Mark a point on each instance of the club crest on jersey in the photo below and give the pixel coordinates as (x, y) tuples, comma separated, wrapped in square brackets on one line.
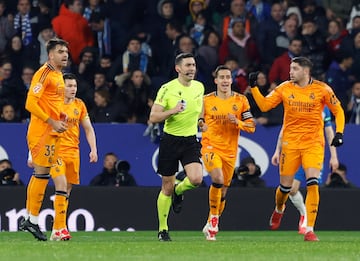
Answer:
[(235, 107), (312, 96), (76, 112), (37, 88)]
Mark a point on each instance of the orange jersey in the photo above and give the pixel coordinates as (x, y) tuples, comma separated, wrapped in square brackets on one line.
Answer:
[(222, 135), (76, 112), (48, 87), (303, 122)]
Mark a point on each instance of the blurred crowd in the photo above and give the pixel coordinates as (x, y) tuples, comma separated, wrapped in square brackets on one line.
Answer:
[(123, 50)]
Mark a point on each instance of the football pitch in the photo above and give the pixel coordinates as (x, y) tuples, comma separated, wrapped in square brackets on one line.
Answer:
[(186, 245)]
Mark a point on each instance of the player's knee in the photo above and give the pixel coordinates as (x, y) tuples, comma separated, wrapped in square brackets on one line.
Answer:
[(196, 181)]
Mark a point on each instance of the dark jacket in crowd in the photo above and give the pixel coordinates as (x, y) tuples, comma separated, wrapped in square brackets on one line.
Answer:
[(113, 179)]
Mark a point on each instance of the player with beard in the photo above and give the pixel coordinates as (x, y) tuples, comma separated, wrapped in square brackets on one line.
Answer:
[(303, 134)]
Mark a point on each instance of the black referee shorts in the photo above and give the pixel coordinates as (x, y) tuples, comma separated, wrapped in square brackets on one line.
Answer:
[(173, 149)]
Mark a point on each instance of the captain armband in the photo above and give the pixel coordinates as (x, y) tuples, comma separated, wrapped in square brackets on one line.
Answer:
[(201, 119), (246, 115)]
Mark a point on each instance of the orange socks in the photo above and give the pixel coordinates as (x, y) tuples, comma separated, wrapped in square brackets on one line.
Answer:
[(281, 196), (60, 208), (312, 204), (222, 206), (35, 193), (215, 198)]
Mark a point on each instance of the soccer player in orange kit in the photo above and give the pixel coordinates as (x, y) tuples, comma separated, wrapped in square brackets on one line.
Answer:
[(45, 100), (225, 113), (303, 141), (68, 164)]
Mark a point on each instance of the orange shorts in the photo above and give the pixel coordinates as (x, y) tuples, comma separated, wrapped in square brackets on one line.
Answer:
[(43, 149), (69, 167), (292, 159), (213, 160)]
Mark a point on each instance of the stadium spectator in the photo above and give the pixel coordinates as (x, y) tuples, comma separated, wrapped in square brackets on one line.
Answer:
[(280, 69), (266, 35), (248, 175), (241, 45), (314, 47), (355, 11), (88, 63), (336, 34), (16, 53), (26, 22), (122, 15), (259, 9), (338, 76), (209, 49), (197, 29), (8, 114), (105, 110), (132, 59), (94, 13), (312, 11), (8, 176), (239, 76), (134, 90), (288, 32), (165, 57), (337, 178), (115, 173), (355, 69), (353, 107), (6, 27), (46, 32), (8, 82), (200, 7), (271, 117), (158, 23), (237, 12), (16, 91), (100, 81), (80, 36), (337, 9)]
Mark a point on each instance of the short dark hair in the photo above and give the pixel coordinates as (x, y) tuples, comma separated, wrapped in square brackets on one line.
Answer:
[(6, 160), (69, 76), (302, 61), (219, 68), (52, 43), (182, 56)]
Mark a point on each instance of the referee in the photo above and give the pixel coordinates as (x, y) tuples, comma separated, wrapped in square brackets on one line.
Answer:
[(179, 103)]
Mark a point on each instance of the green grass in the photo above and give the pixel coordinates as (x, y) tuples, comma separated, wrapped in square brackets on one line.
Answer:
[(186, 245)]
